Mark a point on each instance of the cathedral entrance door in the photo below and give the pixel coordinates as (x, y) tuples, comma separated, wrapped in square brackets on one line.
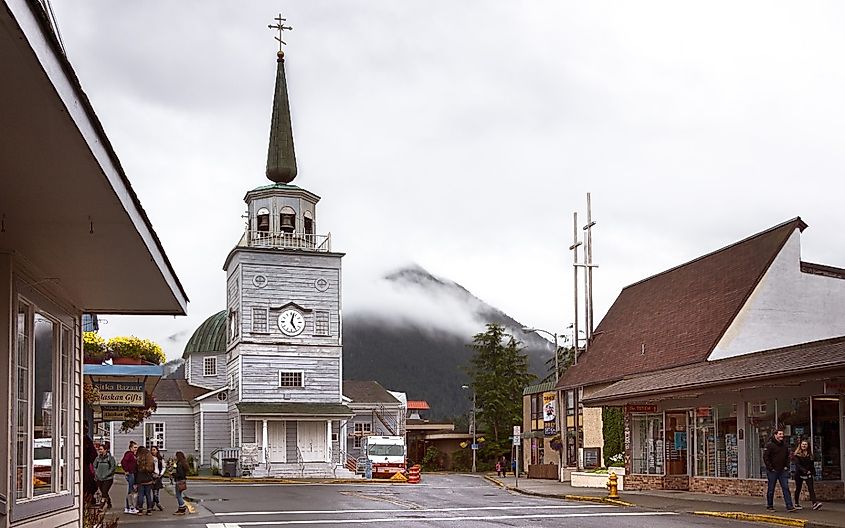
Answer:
[(311, 439), (276, 441)]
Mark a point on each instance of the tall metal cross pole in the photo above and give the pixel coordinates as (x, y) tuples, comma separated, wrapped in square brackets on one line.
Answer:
[(588, 279), (280, 27), (574, 249)]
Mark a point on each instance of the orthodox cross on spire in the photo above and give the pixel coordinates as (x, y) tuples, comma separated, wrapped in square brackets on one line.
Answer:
[(280, 27)]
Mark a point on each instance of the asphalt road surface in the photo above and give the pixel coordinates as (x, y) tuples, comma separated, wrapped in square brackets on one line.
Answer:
[(447, 501)]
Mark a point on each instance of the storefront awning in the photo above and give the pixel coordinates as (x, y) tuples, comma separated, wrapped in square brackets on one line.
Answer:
[(297, 410), (817, 360)]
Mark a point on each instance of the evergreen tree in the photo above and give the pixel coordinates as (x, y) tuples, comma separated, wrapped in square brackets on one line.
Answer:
[(499, 372)]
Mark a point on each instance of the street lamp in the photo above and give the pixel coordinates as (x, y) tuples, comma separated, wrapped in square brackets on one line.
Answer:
[(472, 425), (557, 397)]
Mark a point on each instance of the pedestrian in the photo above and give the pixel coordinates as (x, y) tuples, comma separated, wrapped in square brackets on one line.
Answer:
[(144, 480), (180, 475), (89, 454), (513, 466), (498, 468), (504, 462), (104, 467), (804, 472), (776, 458), (158, 473), (129, 464)]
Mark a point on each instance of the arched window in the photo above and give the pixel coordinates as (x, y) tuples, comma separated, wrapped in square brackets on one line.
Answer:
[(287, 220), (308, 223), (262, 220)]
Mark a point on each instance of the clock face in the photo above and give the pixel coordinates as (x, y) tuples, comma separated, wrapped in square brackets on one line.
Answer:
[(291, 322)]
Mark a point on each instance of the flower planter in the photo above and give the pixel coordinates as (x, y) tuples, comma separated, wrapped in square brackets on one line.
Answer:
[(92, 361), (127, 361), (581, 479)]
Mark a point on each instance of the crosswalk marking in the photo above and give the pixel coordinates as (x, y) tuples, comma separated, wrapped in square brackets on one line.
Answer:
[(408, 510), (440, 519)]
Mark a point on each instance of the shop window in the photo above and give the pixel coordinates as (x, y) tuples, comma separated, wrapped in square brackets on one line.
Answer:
[(794, 419), (705, 442), (826, 440), (571, 430), (716, 452), (647, 445), (41, 449), (536, 412), (759, 427)]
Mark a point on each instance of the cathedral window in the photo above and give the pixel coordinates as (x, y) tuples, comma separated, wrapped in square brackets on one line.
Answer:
[(259, 320), (262, 220), (287, 220), (321, 322), (233, 324), (209, 366), (290, 379)]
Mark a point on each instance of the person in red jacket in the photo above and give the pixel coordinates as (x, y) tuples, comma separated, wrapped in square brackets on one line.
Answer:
[(130, 465)]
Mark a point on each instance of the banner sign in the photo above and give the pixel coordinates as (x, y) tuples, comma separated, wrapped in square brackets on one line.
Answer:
[(120, 393), (549, 414), (640, 408)]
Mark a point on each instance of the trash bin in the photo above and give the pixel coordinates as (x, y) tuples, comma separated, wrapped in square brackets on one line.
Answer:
[(230, 467)]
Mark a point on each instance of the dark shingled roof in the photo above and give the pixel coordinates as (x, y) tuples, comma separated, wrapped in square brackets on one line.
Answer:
[(174, 390), (210, 336), (367, 392), (677, 317), (825, 355)]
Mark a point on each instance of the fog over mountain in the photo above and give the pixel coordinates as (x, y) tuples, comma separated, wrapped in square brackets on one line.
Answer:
[(414, 339)]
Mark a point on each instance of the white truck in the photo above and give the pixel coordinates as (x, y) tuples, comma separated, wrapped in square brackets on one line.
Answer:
[(386, 454)]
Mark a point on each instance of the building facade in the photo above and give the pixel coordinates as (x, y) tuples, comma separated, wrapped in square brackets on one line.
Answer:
[(74, 239), (709, 358)]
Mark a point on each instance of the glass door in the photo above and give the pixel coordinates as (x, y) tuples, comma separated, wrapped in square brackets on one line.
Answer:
[(676, 443)]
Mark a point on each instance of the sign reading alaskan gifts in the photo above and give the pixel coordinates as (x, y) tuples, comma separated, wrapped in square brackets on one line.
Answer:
[(120, 393), (549, 414)]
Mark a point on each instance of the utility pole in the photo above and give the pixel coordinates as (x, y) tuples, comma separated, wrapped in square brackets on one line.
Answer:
[(588, 261), (574, 249), (474, 445)]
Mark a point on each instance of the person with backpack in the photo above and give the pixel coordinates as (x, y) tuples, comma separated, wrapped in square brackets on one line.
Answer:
[(804, 472), (104, 467), (129, 464)]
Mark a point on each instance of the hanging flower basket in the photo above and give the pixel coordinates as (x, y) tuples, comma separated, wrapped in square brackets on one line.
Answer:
[(94, 350), (555, 443)]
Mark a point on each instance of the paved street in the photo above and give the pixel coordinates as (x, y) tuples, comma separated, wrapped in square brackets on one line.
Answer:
[(440, 501)]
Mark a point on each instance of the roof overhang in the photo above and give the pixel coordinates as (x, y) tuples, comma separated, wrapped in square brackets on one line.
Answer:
[(332, 411), (70, 213)]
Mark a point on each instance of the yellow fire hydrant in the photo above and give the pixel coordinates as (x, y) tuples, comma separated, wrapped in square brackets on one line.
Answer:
[(612, 486)]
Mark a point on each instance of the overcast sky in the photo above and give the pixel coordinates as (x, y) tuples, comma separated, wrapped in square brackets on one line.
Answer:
[(462, 135)]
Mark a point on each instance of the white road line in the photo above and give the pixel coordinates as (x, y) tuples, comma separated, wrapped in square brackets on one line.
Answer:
[(411, 510), (439, 519)]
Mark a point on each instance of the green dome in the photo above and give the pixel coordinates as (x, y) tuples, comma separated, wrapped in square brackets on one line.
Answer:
[(210, 336)]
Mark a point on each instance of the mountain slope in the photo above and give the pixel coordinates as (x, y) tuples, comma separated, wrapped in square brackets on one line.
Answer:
[(422, 353)]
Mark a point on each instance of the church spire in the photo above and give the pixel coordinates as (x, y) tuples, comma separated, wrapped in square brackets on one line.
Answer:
[(281, 159)]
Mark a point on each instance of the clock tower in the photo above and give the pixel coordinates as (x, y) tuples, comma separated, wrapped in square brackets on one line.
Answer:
[(284, 325)]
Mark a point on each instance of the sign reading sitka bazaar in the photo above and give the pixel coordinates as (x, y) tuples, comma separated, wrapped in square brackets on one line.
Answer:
[(120, 393)]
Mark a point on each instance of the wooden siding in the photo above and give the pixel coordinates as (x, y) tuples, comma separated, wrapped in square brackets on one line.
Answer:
[(194, 370), (216, 429), (321, 378), (178, 432)]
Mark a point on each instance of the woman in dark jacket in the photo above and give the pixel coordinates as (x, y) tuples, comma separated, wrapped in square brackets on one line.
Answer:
[(158, 472), (144, 479), (180, 475), (804, 472)]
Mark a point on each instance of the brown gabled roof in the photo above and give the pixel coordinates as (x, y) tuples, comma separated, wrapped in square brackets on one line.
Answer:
[(677, 317), (825, 355), (367, 392), (177, 390)]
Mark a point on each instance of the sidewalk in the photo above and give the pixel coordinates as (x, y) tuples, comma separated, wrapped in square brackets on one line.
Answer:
[(832, 514), (166, 496)]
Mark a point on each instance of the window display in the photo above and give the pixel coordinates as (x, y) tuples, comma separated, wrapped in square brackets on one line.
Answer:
[(825, 442), (647, 445), (759, 427)]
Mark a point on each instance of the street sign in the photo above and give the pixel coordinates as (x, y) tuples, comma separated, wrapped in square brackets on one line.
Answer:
[(517, 430), (475, 446), (516, 439)]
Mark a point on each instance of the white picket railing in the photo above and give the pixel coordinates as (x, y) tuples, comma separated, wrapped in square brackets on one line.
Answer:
[(282, 240)]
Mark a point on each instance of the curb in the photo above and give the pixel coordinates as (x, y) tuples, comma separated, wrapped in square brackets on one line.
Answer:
[(580, 498), (741, 516)]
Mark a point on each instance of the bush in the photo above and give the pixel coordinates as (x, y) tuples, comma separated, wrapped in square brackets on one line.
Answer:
[(613, 430), (432, 460)]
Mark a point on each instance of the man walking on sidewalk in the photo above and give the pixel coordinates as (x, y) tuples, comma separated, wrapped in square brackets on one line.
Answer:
[(776, 458)]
